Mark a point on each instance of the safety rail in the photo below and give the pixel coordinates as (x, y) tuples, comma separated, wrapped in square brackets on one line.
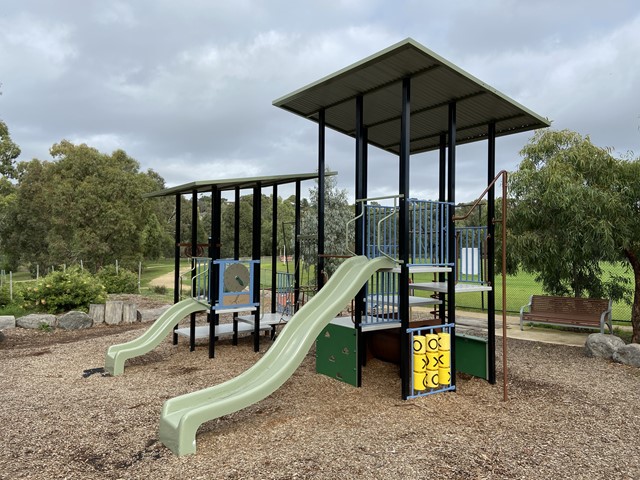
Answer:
[(381, 297), (471, 255), (374, 236), (285, 302), (428, 223), (431, 360), (198, 276)]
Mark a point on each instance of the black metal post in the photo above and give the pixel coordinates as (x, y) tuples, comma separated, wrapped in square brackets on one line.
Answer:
[(236, 255), (176, 261), (257, 231), (321, 187), (194, 253), (359, 224), (215, 254), (403, 246), (451, 231), (274, 249), (491, 253), (442, 189), (296, 247)]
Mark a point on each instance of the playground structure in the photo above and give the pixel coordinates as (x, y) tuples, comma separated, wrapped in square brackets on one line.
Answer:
[(405, 100)]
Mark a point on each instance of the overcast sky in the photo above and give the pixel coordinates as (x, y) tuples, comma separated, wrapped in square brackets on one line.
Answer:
[(185, 87)]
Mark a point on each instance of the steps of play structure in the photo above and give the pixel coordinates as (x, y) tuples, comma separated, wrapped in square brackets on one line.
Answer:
[(413, 300), (267, 319), (421, 269), (443, 287), (222, 329)]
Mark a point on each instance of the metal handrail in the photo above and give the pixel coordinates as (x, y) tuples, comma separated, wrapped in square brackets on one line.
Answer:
[(503, 220), (197, 262), (378, 229)]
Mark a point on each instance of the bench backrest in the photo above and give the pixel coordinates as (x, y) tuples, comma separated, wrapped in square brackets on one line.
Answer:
[(572, 305)]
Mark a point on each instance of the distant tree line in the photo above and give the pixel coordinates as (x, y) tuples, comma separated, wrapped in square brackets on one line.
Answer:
[(85, 205)]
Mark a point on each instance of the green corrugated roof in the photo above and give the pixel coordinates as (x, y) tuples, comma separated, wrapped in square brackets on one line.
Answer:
[(226, 184), (435, 83)]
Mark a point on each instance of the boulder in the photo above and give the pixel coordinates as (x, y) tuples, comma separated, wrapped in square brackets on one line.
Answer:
[(34, 320), (74, 321), (602, 345), (629, 355), (7, 321), (151, 314)]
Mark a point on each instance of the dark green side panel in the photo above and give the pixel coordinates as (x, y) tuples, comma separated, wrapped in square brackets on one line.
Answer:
[(336, 354)]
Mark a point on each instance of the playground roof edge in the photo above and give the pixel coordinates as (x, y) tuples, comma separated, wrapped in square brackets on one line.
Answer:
[(435, 83), (226, 184)]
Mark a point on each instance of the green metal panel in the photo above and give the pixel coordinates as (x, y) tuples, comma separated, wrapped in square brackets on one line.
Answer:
[(337, 353), (472, 355)]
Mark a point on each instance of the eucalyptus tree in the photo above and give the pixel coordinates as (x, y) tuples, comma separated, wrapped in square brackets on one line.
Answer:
[(575, 207)]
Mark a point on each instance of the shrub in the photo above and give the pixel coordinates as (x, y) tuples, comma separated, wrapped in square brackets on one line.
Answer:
[(63, 291), (159, 289), (120, 281), (5, 297)]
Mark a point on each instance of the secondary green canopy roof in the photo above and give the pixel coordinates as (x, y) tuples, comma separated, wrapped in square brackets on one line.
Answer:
[(226, 184), (435, 83)]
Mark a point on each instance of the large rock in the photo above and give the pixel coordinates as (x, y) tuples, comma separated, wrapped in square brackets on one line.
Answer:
[(629, 355), (34, 320), (602, 345), (7, 321), (74, 321), (151, 314)]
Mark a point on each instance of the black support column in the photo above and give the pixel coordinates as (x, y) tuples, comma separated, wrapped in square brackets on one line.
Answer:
[(255, 244), (442, 192), (176, 261), (491, 253), (215, 246), (360, 189), (403, 240), (274, 249), (194, 253), (296, 248), (451, 231), (321, 187)]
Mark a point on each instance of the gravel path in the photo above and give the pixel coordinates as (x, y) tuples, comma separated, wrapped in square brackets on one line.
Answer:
[(568, 417)]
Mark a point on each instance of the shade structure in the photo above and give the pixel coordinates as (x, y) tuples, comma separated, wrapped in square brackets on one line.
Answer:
[(435, 83)]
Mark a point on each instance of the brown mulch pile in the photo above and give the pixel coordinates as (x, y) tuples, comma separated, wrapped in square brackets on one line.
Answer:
[(568, 416)]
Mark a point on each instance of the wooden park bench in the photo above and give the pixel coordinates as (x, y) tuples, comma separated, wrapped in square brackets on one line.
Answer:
[(568, 311)]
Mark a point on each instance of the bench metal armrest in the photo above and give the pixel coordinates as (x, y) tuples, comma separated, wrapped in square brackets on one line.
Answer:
[(528, 305), (603, 318)]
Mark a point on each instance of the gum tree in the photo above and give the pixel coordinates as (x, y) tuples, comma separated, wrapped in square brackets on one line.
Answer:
[(575, 206)]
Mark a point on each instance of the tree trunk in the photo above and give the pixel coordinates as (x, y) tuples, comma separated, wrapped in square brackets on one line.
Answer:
[(635, 308)]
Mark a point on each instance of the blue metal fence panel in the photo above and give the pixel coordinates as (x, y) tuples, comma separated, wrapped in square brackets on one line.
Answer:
[(471, 249)]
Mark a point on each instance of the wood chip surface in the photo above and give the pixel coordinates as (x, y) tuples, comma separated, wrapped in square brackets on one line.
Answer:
[(568, 416)]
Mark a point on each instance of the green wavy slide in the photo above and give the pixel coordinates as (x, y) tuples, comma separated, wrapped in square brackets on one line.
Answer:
[(118, 354), (182, 416)]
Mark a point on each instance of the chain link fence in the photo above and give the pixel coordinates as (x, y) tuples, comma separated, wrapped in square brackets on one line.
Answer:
[(520, 288)]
